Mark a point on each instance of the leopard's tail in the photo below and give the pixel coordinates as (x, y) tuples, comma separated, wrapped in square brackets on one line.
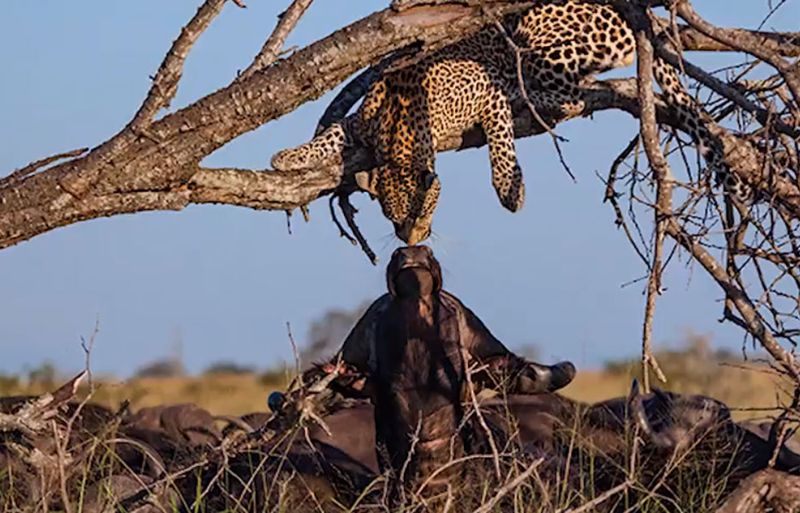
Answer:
[(324, 149)]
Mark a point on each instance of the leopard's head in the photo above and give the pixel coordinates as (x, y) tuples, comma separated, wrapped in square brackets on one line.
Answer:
[(408, 201)]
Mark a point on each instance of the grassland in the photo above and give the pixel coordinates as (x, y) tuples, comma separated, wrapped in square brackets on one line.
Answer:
[(747, 389)]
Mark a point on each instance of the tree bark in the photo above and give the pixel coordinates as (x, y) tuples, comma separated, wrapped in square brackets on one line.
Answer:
[(767, 490)]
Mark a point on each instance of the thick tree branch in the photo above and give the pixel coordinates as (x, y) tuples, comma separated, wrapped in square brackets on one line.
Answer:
[(267, 190)]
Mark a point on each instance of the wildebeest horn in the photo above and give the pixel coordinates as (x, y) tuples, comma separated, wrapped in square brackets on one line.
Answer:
[(636, 404), (153, 463), (235, 421), (68, 390)]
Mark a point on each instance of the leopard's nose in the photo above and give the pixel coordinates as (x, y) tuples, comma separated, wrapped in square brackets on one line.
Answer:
[(404, 233), (415, 237)]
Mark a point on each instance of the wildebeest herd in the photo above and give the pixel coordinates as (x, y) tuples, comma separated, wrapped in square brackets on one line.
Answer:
[(421, 409)]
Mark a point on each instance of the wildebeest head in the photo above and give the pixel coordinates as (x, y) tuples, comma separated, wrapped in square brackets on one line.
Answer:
[(673, 421), (413, 271)]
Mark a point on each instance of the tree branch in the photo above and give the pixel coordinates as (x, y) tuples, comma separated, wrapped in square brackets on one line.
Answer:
[(33, 167), (648, 129), (272, 47), (158, 167), (737, 296), (165, 82), (742, 41), (782, 43)]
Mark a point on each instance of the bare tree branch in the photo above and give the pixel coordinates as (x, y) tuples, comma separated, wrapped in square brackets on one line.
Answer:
[(165, 82), (156, 167), (742, 41), (738, 297), (272, 47), (648, 129), (33, 167), (786, 44), (724, 90)]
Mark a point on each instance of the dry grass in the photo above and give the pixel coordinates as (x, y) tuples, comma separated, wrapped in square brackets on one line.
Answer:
[(686, 485), (746, 390)]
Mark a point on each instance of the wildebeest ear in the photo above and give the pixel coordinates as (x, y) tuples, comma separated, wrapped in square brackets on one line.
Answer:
[(391, 271), (634, 393), (662, 396), (364, 182), (436, 272)]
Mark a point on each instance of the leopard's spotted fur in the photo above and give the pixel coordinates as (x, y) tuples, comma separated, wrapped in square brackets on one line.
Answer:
[(406, 112)]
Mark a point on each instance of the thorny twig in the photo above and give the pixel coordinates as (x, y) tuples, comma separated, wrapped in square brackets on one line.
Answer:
[(349, 212), (477, 408)]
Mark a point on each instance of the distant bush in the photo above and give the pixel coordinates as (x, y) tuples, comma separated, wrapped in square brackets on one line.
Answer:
[(44, 375), (695, 367), (228, 368), (162, 369), (327, 333), (276, 377)]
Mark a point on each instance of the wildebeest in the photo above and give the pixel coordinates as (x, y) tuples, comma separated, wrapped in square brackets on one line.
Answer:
[(681, 435), (184, 423), (52, 439), (415, 345), (422, 278)]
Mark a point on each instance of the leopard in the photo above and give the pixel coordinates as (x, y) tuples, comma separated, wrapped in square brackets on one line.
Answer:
[(543, 55)]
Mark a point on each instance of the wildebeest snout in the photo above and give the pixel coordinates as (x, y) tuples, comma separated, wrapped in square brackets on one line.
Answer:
[(413, 271)]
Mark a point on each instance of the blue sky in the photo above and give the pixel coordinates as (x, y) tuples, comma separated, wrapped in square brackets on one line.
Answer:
[(225, 280)]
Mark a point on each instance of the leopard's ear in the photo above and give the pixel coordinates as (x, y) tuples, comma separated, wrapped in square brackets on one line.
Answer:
[(365, 182)]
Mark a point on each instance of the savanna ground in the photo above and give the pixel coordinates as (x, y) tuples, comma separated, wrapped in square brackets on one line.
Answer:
[(685, 482)]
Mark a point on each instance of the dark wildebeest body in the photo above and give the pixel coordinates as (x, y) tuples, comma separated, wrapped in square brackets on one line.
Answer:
[(571, 434), (359, 348), (411, 343), (183, 423), (418, 383)]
